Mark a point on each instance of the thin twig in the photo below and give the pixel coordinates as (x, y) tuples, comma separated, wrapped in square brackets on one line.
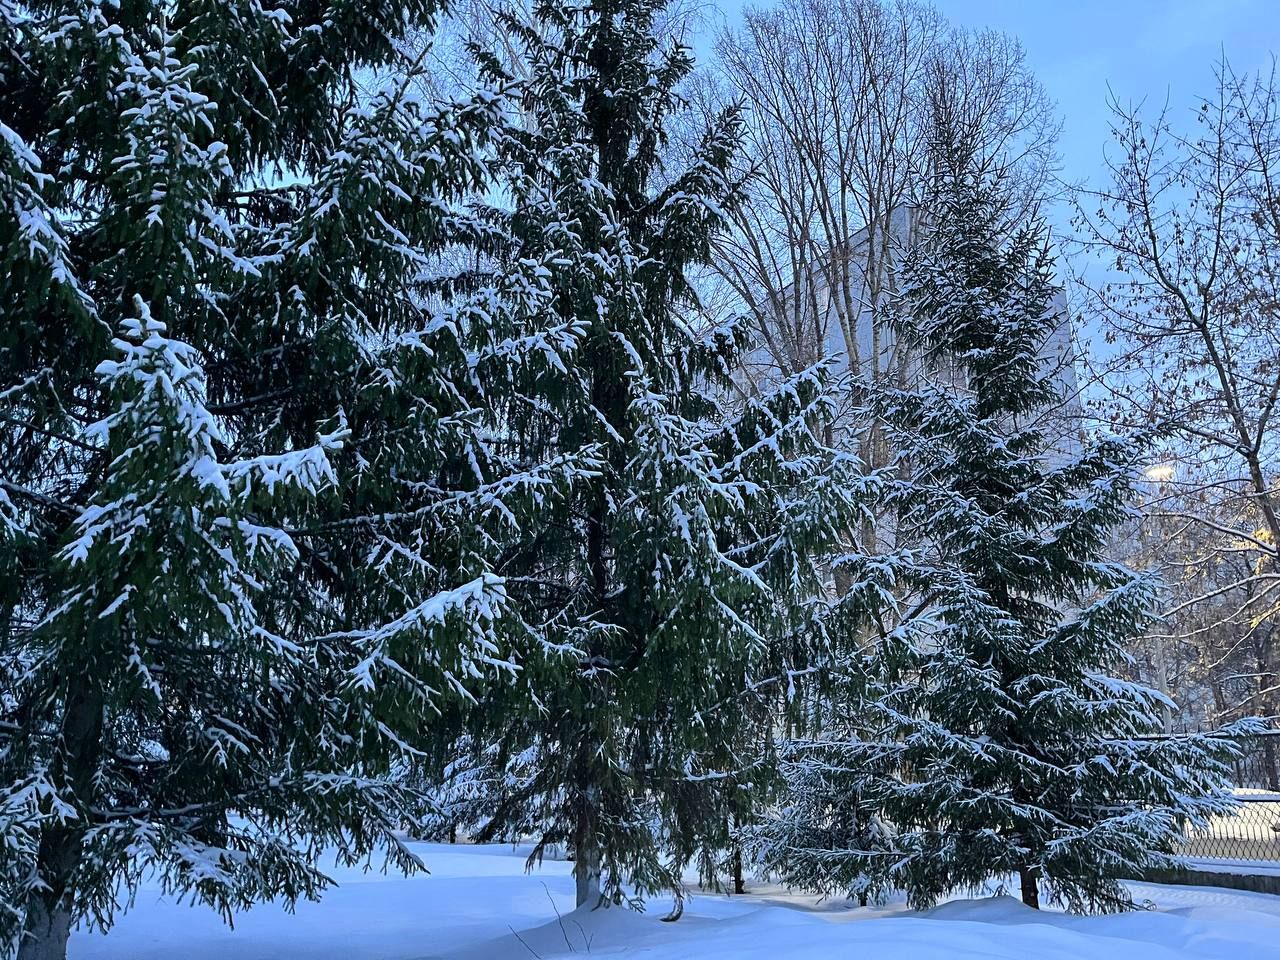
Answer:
[(522, 943), (560, 920), (587, 940)]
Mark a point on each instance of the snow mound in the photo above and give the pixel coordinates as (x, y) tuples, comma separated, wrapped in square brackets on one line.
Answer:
[(478, 903)]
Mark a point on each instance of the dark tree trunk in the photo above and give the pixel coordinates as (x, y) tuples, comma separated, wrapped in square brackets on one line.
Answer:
[(47, 925), (1030, 878), (46, 930)]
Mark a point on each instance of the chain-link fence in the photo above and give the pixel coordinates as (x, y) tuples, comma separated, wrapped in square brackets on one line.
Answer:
[(1258, 767), (1253, 832)]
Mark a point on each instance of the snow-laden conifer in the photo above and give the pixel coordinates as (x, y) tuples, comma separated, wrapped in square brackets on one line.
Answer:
[(252, 495), (990, 737), (658, 592)]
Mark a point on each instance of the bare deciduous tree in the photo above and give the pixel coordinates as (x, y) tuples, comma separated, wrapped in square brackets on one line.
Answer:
[(1190, 227), (841, 98)]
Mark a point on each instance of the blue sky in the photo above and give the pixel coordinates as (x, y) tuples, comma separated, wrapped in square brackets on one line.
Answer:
[(1145, 49)]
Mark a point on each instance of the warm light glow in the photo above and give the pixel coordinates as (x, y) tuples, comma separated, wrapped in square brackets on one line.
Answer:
[(1159, 472)]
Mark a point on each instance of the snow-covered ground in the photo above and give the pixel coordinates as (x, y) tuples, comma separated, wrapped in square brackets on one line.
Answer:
[(479, 904)]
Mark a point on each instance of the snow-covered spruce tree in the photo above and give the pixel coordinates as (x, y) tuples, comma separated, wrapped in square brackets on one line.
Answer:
[(249, 495), (458, 792), (166, 500), (821, 833), (660, 583), (993, 740)]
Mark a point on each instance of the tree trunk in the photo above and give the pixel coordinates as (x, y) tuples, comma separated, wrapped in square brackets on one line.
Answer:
[(1030, 878), (586, 853), (586, 868), (843, 581), (47, 925), (46, 930), (739, 884)]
